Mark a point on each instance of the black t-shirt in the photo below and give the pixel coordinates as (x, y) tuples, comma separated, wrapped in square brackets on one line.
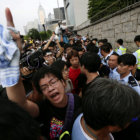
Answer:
[(52, 119), (87, 85)]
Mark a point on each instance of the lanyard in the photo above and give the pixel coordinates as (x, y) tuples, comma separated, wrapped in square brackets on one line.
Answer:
[(90, 131)]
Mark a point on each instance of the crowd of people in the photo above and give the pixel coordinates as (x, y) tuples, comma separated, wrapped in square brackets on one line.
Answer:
[(68, 87)]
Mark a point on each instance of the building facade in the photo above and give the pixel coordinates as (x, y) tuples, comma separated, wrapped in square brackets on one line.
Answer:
[(76, 11)]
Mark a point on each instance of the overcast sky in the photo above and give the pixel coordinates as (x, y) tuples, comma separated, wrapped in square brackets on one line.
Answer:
[(26, 10)]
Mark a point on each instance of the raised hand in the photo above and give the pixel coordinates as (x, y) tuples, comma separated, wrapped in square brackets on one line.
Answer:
[(10, 23)]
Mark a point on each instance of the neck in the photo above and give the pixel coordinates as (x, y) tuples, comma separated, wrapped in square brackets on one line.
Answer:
[(101, 134), (91, 76), (124, 75), (105, 55), (114, 68), (74, 67), (63, 103)]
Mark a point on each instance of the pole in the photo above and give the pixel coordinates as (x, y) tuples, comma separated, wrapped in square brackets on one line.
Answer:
[(58, 9)]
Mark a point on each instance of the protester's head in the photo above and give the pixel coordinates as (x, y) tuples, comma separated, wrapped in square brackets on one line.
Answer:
[(90, 62), (67, 48), (49, 81), (126, 63), (94, 41), (105, 49), (16, 123), (79, 49), (73, 59), (48, 56), (92, 48), (110, 105), (119, 42), (52, 46), (137, 40), (113, 60), (100, 43), (71, 41), (61, 66)]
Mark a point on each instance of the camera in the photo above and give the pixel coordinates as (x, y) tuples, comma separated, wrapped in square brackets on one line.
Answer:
[(32, 61)]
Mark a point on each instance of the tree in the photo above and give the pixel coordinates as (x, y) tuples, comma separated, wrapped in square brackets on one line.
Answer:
[(45, 35), (34, 34)]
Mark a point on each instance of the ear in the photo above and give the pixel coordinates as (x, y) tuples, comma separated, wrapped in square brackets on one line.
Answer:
[(131, 68), (64, 83), (114, 128)]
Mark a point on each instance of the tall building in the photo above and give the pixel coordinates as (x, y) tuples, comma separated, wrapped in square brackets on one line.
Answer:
[(76, 11), (42, 18), (59, 13), (41, 14)]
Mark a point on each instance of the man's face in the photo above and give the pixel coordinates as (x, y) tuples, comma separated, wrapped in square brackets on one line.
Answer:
[(102, 53), (68, 50), (51, 48), (49, 58), (123, 69), (113, 61), (100, 44), (74, 61), (80, 53), (94, 42), (65, 73), (53, 89), (137, 43)]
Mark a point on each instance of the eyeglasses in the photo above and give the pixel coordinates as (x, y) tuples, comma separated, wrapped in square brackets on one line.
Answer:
[(52, 83)]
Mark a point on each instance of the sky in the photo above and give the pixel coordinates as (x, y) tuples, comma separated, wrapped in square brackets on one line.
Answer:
[(24, 11)]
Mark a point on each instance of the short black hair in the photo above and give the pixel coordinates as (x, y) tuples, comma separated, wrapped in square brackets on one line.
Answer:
[(78, 48), (101, 40), (120, 41), (67, 46), (106, 47), (52, 44), (46, 51), (42, 72), (137, 38), (16, 123), (114, 53), (105, 40), (92, 48), (59, 65), (91, 61), (71, 54), (108, 102), (95, 39), (127, 59)]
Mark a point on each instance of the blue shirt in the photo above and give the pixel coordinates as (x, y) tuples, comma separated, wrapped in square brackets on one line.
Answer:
[(127, 81), (78, 133), (105, 60), (114, 74)]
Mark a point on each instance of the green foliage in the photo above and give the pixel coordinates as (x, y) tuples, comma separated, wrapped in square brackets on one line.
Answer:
[(26, 37), (34, 34), (97, 6)]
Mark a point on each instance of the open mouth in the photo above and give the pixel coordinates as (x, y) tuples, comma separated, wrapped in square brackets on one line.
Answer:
[(55, 96)]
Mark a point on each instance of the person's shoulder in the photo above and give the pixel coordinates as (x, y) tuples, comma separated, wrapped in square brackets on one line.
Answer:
[(77, 105), (77, 99), (132, 81), (43, 103)]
